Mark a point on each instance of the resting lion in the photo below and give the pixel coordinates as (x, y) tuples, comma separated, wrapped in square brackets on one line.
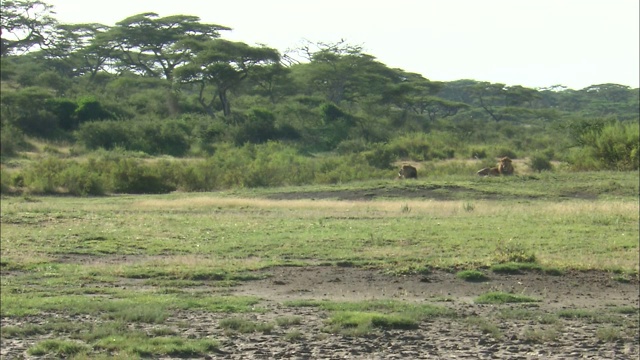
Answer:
[(489, 172), (505, 167), (408, 172)]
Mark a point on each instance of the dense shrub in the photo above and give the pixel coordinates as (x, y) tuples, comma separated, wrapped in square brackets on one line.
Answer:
[(352, 146), (169, 137), (478, 153), (12, 140), (89, 109), (613, 147), (412, 146), (539, 163), (259, 127), (380, 156), (102, 134), (5, 181), (81, 180), (64, 110), (129, 176), (44, 176)]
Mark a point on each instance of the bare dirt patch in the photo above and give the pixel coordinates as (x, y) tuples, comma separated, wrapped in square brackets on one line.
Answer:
[(462, 336)]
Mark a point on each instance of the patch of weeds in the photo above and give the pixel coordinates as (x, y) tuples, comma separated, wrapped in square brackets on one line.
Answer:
[(472, 276), (169, 291), (154, 347), (294, 336), (553, 271), (589, 315), (514, 252), (621, 279), (357, 323), (405, 209), (104, 330), (485, 326), (218, 304), (503, 298), (548, 319), (148, 313), (415, 311), (245, 326), (287, 321), (305, 303), (627, 310), (468, 207), (609, 334), (514, 268), (528, 315), (576, 314), (58, 348), (27, 330), (540, 336), (163, 331)]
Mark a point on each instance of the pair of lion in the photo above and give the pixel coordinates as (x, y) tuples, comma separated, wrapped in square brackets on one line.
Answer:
[(505, 167)]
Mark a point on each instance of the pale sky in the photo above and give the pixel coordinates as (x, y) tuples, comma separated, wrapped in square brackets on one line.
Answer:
[(533, 43)]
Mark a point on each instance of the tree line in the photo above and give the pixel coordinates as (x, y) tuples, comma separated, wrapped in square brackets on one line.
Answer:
[(174, 86)]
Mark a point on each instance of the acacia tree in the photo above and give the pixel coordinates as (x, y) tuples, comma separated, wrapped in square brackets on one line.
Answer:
[(24, 24), (222, 65), (82, 49), (153, 46), (272, 81), (341, 72)]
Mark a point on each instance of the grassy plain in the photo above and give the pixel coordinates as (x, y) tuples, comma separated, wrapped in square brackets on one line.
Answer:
[(144, 257)]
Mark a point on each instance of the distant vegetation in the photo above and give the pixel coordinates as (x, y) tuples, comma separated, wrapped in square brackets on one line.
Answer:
[(153, 104)]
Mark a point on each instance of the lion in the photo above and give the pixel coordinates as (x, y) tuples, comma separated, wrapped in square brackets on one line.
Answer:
[(408, 172), (505, 167), (494, 171)]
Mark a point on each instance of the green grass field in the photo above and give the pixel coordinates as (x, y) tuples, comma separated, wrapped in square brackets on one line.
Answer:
[(52, 246)]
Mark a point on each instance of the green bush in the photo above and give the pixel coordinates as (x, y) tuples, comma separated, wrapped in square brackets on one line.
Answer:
[(11, 140), (103, 134), (614, 147), (64, 109), (44, 176), (130, 177), (539, 163), (259, 127), (90, 109), (411, 146), (380, 157), (170, 137), (5, 181), (478, 153), (82, 181)]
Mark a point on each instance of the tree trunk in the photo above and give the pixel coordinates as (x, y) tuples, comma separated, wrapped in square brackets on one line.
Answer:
[(226, 106)]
